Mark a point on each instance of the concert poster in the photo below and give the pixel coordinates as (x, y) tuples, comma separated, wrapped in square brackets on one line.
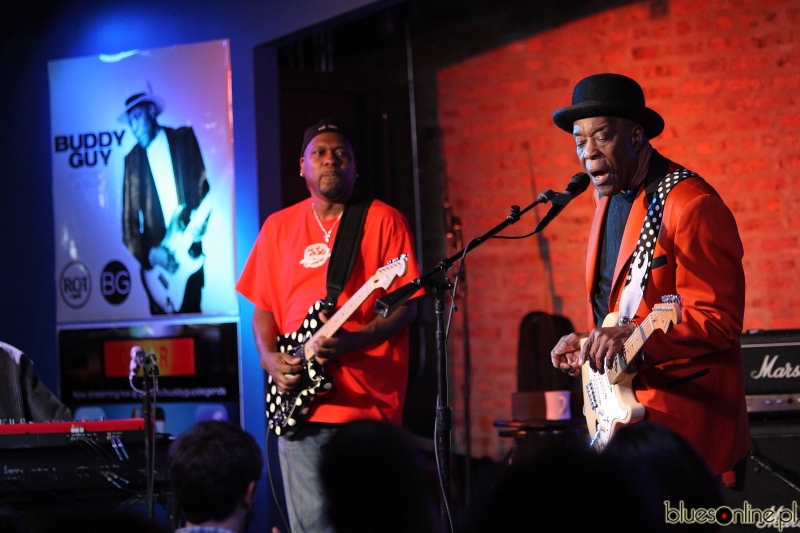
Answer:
[(143, 222), (143, 206)]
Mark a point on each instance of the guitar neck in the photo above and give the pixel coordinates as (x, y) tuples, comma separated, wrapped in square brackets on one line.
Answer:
[(339, 317), (632, 347), (204, 208)]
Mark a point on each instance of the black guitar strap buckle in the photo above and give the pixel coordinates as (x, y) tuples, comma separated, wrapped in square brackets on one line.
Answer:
[(328, 307)]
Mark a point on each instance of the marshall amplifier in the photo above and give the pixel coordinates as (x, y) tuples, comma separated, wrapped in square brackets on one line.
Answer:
[(772, 371)]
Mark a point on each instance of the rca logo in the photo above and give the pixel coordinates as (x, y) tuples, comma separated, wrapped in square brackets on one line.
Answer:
[(75, 285)]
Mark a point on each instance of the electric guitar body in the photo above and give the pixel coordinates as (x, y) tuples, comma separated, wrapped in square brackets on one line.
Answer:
[(609, 402)]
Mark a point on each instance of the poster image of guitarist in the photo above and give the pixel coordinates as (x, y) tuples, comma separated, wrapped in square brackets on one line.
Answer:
[(285, 274), (659, 229), (164, 182)]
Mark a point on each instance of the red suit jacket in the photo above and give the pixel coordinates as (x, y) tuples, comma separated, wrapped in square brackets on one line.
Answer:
[(691, 380)]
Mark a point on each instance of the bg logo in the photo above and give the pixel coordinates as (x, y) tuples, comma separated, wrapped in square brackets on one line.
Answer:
[(75, 285), (115, 283)]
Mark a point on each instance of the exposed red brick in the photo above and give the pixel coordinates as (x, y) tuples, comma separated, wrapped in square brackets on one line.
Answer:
[(786, 82), (688, 7), (683, 49), (722, 5), (789, 120), (707, 66), (645, 52), (760, 225), (733, 103), (534, 64), (707, 169), (779, 244), (701, 87), (614, 57), (751, 62), (662, 71), (682, 28), (743, 84), (769, 141), (705, 148), (688, 109), (747, 166), (785, 321), (704, 128), (772, 39), (789, 59), (747, 124), (773, 205), (790, 161), (724, 22), (726, 44), (656, 92), (748, 20)]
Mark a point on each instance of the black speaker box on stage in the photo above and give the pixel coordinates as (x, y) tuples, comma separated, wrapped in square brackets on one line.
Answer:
[(772, 387), (772, 471)]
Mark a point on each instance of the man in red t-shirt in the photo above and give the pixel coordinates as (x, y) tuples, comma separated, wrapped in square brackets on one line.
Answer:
[(286, 273)]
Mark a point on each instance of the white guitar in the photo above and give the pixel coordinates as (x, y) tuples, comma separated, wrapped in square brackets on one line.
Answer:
[(608, 399), (166, 287)]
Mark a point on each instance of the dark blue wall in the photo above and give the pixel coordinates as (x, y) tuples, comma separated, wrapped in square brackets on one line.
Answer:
[(34, 33)]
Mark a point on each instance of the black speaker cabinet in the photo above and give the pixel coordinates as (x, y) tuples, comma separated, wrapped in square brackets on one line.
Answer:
[(770, 471)]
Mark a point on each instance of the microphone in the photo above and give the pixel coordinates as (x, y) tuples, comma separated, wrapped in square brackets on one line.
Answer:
[(137, 354), (578, 184), (140, 358)]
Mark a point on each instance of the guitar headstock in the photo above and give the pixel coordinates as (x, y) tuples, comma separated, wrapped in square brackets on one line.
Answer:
[(664, 315), (385, 275)]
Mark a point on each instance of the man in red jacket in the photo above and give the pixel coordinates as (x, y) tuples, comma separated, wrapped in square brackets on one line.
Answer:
[(689, 379)]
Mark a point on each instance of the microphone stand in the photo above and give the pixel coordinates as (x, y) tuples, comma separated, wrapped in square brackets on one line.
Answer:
[(453, 233), (387, 305), (150, 377), (148, 427)]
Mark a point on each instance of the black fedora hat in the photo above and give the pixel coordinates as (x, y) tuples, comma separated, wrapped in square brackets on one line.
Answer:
[(609, 95)]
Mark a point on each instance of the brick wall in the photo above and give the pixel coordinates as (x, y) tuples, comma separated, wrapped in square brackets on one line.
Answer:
[(725, 76)]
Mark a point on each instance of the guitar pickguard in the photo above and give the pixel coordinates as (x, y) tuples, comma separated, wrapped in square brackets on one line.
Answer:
[(286, 411)]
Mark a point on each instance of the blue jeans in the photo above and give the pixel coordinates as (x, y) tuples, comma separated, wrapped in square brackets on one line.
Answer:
[(299, 456)]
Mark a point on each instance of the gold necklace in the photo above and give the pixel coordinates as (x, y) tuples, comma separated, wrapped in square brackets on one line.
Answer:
[(326, 234)]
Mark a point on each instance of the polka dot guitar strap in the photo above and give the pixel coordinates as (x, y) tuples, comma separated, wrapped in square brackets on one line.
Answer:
[(286, 411), (639, 269)]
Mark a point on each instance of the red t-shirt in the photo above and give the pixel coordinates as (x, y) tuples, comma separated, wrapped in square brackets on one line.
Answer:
[(286, 273)]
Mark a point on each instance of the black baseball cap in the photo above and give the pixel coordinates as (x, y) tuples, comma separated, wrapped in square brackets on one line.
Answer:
[(323, 126)]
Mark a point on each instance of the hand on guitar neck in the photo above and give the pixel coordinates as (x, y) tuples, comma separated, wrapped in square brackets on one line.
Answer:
[(599, 347)]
